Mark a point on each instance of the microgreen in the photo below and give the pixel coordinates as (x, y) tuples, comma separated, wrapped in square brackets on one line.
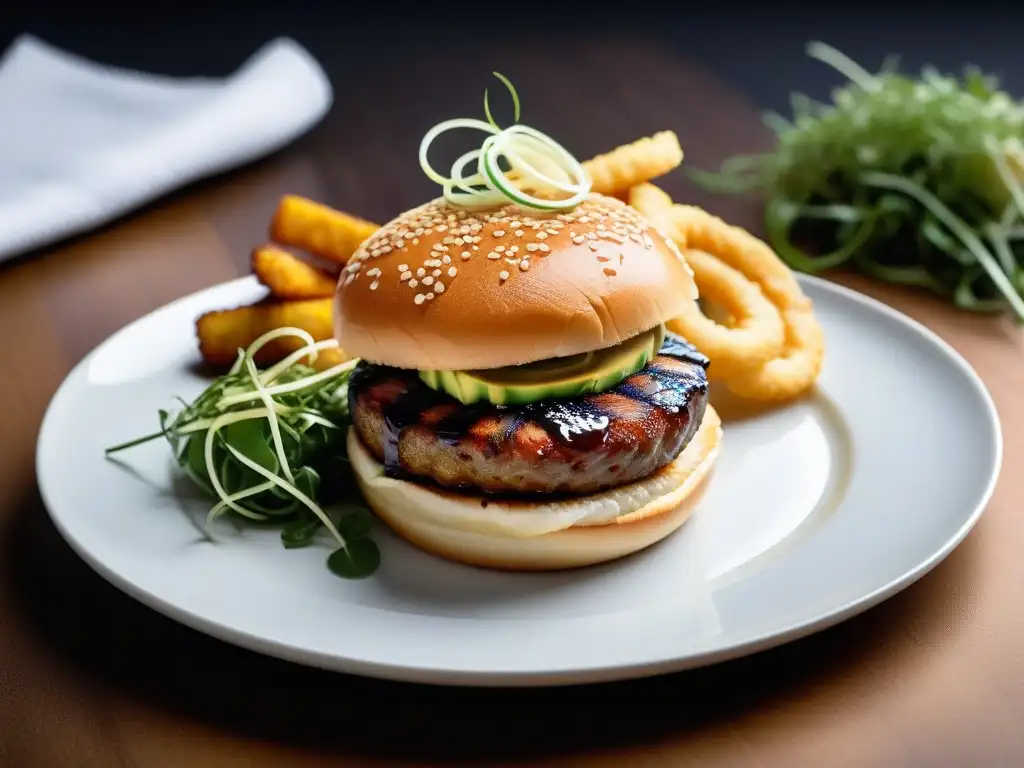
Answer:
[(912, 180), (269, 447)]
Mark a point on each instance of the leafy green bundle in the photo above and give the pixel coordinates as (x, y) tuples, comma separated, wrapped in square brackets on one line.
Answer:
[(909, 180), (270, 447)]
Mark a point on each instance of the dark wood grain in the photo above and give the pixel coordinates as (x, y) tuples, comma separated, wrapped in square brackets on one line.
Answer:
[(88, 677)]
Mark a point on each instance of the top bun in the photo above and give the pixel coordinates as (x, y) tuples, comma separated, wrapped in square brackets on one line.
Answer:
[(448, 288)]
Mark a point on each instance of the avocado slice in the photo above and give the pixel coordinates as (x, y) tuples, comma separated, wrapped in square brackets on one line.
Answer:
[(558, 377)]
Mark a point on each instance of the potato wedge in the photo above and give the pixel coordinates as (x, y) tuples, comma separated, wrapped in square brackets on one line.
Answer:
[(289, 277), (221, 333), (318, 229)]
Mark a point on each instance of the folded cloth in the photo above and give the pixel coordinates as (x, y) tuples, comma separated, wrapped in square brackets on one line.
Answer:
[(82, 144)]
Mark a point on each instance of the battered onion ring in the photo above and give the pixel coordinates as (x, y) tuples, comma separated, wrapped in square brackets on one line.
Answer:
[(755, 334), (743, 252), (796, 368)]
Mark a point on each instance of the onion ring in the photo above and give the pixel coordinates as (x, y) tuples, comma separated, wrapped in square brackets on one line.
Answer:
[(743, 252), (712, 246), (795, 371), (756, 333)]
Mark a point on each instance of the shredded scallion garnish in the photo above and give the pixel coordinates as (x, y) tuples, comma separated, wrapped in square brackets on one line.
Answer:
[(540, 173), (269, 447)]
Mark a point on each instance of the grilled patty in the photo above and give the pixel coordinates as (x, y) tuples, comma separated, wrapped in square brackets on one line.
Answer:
[(569, 445)]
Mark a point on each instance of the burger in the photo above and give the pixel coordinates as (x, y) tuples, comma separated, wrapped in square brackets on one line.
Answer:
[(518, 403)]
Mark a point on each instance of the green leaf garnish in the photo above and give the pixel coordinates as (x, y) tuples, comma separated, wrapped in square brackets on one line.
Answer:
[(354, 524), (913, 180), (258, 442), (357, 560)]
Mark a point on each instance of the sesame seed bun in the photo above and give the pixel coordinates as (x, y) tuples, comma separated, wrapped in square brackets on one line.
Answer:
[(445, 288), (542, 535)]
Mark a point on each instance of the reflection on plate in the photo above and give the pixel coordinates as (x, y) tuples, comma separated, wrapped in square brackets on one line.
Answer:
[(817, 511)]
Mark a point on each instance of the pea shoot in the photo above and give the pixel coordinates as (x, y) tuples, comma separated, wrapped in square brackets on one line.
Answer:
[(911, 180), (269, 446)]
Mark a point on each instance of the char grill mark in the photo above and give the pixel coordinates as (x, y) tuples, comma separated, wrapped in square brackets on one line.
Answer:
[(571, 445)]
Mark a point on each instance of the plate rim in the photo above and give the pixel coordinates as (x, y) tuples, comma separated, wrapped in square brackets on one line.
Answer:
[(612, 672)]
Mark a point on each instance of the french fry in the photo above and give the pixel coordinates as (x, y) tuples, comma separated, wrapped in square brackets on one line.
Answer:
[(614, 172), (289, 277), (223, 332), (318, 229)]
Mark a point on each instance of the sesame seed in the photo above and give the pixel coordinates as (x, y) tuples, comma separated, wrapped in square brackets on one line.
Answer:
[(415, 241), (439, 287), (609, 271), (452, 271), (419, 298), (446, 259), (349, 278), (438, 247), (519, 233), (500, 248), (385, 249), (405, 276), (375, 252), (373, 285), (543, 248), (514, 249), (476, 247), (512, 261), (373, 272), (592, 245), (578, 239), (399, 243), (515, 224), (436, 273), (413, 283), (503, 275), (428, 280), (403, 267), (583, 219), (430, 296), (531, 246), (603, 258), (524, 265), (466, 255), (420, 272), (441, 227), (498, 233), (543, 235), (457, 241), (448, 240), (493, 255)]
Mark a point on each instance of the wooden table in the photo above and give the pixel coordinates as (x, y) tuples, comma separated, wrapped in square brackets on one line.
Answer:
[(88, 677)]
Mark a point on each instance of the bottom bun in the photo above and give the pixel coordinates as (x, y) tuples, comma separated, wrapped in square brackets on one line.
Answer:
[(536, 535)]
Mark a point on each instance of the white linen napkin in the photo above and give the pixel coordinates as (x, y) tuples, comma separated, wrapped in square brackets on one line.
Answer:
[(82, 144)]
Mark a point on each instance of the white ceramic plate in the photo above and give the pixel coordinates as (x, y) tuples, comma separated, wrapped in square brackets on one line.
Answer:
[(816, 512)]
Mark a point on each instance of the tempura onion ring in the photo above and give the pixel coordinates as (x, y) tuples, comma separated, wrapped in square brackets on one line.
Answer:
[(755, 334)]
